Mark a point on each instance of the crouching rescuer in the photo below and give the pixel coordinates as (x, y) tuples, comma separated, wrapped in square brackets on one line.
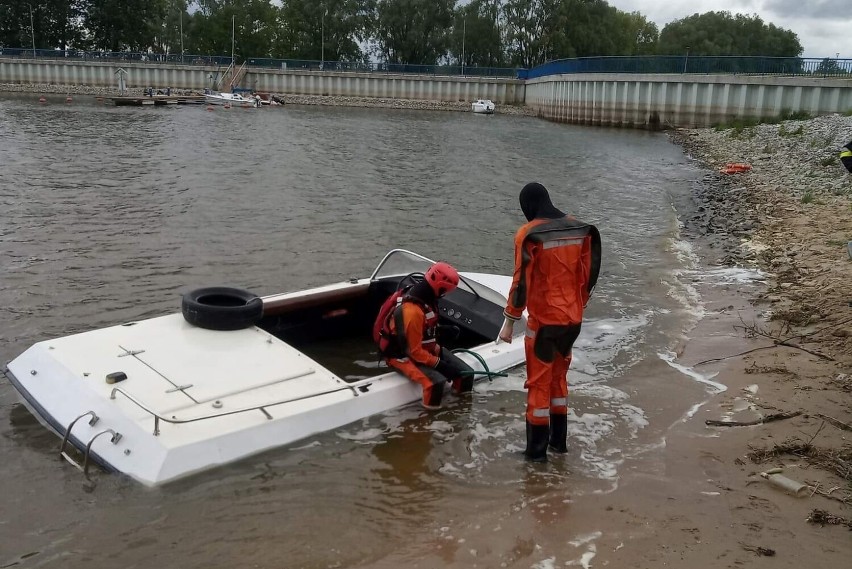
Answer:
[(406, 331), (557, 262)]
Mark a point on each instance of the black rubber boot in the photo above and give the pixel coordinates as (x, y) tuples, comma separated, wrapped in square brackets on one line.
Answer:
[(559, 433), (537, 439)]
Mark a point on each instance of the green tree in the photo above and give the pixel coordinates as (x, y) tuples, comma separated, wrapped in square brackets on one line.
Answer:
[(720, 33), (338, 26), (528, 25), (830, 66), (413, 31), (543, 30), (119, 25), (15, 30), (639, 35), (476, 34), (170, 34), (252, 25), (55, 23)]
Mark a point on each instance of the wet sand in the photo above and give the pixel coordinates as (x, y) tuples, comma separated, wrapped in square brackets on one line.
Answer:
[(701, 502)]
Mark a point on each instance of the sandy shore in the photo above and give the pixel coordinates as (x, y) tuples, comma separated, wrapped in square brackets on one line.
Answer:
[(784, 350)]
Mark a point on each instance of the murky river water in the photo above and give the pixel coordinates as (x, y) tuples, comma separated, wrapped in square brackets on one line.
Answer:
[(108, 214)]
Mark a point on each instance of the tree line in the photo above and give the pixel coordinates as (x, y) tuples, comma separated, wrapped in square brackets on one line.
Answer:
[(489, 33)]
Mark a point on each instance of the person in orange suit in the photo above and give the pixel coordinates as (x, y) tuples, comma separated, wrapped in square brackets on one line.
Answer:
[(557, 262), (413, 349)]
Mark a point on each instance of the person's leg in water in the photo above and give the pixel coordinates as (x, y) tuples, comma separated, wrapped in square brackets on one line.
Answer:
[(563, 340), (456, 371), (432, 381)]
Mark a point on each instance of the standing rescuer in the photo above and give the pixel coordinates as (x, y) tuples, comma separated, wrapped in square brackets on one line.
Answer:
[(557, 262), (846, 156), (407, 333)]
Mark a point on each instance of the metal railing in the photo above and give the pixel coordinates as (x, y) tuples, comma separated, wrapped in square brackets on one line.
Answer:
[(356, 387), (745, 65), (114, 56), (388, 68), (262, 62)]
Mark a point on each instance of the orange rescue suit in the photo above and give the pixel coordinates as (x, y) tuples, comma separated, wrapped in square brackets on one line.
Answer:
[(557, 262), (419, 324)]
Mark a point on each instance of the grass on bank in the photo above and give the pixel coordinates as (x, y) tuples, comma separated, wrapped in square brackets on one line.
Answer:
[(739, 125)]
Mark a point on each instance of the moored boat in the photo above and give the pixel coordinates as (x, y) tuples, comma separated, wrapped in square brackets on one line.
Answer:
[(232, 99), (235, 375), (483, 106)]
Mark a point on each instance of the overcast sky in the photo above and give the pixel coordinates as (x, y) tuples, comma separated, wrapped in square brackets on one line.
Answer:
[(824, 27)]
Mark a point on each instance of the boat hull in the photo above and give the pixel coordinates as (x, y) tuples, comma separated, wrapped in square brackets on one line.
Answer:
[(222, 101), (195, 399)]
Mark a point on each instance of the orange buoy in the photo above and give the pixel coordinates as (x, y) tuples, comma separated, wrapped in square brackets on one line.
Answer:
[(68, 99), (227, 105), (42, 99), (209, 107), (735, 168)]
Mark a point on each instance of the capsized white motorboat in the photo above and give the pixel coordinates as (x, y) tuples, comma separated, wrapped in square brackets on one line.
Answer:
[(483, 106), (166, 397), (233, 99)]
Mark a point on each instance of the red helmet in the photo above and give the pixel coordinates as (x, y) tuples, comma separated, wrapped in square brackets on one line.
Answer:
[(443, 278)]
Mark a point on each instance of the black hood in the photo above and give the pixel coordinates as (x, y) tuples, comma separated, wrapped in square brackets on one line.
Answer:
[(423, 292), (536, 204)]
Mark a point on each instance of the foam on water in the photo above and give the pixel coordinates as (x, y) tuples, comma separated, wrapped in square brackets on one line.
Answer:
[(588, 540), (679, 287), (602, 420), (670, 357)]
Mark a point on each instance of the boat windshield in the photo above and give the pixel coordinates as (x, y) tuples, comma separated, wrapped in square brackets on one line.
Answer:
[(400, 262)]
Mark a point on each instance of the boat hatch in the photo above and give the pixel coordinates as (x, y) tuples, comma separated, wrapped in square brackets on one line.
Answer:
[(171, 365), (212, 365)]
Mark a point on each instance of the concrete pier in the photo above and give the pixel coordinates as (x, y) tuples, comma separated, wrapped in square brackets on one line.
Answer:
[(623, 99)]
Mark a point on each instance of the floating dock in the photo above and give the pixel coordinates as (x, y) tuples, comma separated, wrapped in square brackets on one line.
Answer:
[(145, 100)]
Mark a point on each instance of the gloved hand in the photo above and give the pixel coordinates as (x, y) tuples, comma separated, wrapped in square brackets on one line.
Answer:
[(506, 331), (448, 332)]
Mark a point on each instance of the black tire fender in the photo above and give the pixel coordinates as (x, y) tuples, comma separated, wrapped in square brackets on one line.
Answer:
[(221, 308)]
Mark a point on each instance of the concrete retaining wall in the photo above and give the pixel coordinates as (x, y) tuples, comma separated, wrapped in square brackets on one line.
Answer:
[(645, 101), (295, 82), (661, 101)]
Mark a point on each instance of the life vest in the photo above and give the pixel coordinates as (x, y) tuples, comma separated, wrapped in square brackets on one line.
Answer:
[(735, 168), (387, 339), (846, 156)]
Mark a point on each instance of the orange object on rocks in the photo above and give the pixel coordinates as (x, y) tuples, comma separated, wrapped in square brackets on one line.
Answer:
[(735, 168)]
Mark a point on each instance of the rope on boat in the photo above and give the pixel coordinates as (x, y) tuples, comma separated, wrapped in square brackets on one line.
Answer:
[(486, 372)]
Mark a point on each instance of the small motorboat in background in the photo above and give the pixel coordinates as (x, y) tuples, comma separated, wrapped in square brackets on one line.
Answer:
[(232, 99), (483, 106)]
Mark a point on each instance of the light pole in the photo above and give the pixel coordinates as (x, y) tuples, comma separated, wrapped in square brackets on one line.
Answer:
[(233, 18), (181, 36), (322, 38), (464, 31), (32, 28)]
